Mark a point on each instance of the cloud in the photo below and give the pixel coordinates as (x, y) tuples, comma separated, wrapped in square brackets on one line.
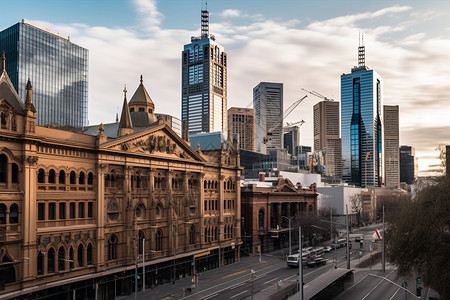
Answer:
[(149, 14), (230, 13)]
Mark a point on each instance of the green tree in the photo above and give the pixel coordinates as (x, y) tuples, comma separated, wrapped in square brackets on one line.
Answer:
[(418, 239)]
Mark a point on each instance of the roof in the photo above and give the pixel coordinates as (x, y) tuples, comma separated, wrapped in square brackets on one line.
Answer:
[(319, 284), (141, 96), (207, 141)]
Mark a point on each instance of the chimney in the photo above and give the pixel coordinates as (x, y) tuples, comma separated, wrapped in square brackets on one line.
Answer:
[(262, 176)]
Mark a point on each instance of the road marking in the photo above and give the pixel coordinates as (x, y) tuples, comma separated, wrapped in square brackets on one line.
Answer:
[(238, 294), (270, 280), (237, 285), (395, 294), (367, 295), (209, 297), (266, 288)]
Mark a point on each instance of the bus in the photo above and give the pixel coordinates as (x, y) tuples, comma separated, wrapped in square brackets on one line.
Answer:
[(341, 243)]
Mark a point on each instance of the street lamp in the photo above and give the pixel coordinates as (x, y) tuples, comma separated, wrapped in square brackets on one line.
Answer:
[(300, 263), (289, 219), (253, 276)]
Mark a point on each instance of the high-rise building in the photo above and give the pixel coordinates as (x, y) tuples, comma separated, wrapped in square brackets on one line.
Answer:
[(204, 83), (291, 139), (241, 121), (391, 146), (172, 121), (57, 68), (361, 125), (408, 164), (326, 136), (268, 104)]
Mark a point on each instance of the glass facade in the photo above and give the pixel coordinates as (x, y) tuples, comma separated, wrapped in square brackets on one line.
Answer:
[(361, 116), (57, 68)]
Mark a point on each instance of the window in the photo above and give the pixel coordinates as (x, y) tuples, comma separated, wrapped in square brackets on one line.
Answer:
[(62, 177), (41, 211), (15, 173), (72, 210), (72, 177), (3, 167), (90, 178), (51, 211), (192, 235), (112, 247), (61, 259), (261, 219), (51, 176), (159, 237), (80, 255), (81, 178), (62, 211), (89, 254), (2, 214), (13, 214), (40, 263), (90, 206), (41, 176), (141, 241), (81, 210), (71, 258), (51, 261)]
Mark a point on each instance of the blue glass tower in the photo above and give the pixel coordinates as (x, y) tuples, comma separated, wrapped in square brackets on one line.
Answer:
[(57, 68), (204, 83), (361, 125)]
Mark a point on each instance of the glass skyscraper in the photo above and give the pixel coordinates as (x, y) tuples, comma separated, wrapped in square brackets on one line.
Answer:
[(57, 68), (204, 83), (361, 125)]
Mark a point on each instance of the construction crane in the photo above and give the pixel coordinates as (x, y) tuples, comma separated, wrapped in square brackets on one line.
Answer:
[(300, 123), (314, 93), (286, 113)]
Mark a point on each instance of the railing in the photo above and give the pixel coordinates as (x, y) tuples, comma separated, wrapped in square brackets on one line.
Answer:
[(64, 187)]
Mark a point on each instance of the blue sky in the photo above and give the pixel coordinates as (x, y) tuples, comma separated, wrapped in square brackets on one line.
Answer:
[(304, 44)]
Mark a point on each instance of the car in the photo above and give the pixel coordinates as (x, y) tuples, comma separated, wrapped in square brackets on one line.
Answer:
[(327, 249), (316, 262)]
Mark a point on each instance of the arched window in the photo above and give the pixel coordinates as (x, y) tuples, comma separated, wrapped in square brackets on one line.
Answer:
[(41, 176), (107, 180), (51, 260), (72, 177), (80, 255), (2, 214), (112, 179), (8, 273), (215, 185), (81, 178), (204, 185), (61, 259), (209, 184), (261, 218), (51, 176), (112, 247), (3, 168), (89, 254), (13, 123), (71, 257), (14, 173), (224, 185), (206, 235), (13, 214), (228, 185), (40, 263), (90, 178), (4, 119), (159, 238), (62, 177)]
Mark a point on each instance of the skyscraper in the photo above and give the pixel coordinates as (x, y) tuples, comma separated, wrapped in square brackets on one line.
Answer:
[(268, 105), (326, 136), (241, 121), (361, 124), (204, 83), (391, 146), (408, 164), (57, 68), (291, 139)]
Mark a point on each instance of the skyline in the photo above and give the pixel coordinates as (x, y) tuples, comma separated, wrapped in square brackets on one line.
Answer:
[(301, 45)]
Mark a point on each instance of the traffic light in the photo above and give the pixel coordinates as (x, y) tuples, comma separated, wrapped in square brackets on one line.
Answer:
[(419, 280), (419, 292)]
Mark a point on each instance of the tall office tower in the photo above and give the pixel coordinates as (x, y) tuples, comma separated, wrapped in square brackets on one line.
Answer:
[(391, 146), (408, 164), (268, 105), (241, 121), (57, 68), (172, 121), (291, 139), (326, 136), (204, 83), (361, 125)]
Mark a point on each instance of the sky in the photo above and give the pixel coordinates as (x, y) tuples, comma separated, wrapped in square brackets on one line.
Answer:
[(302, 44)]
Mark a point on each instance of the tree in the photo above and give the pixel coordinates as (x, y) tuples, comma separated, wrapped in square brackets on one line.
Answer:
[(442, 148), (356, 207), (311, 226), (418, 239)]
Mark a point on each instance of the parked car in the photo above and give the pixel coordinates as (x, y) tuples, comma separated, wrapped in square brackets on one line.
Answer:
[(316, 262), (327, 249)]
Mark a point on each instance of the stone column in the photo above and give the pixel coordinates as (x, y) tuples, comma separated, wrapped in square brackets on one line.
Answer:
[(102, 169), (278, 214), (29, 216)]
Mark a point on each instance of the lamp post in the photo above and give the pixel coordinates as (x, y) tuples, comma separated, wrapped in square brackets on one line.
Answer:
[(253, 276), (300, 264), (289, 219)]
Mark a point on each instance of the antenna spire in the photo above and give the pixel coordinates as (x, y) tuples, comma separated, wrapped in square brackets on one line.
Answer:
[(361, 52), (205, 22)]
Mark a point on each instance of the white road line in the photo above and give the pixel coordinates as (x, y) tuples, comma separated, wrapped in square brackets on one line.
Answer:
[(238, 294), (236, 285), (270, 280), (266, 288), (209, 297), (367, 295), (395, 294)]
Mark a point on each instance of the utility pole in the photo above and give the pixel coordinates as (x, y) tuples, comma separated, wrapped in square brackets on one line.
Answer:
[(348, 240), (383, 241), (143, 264), (300, 264)]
